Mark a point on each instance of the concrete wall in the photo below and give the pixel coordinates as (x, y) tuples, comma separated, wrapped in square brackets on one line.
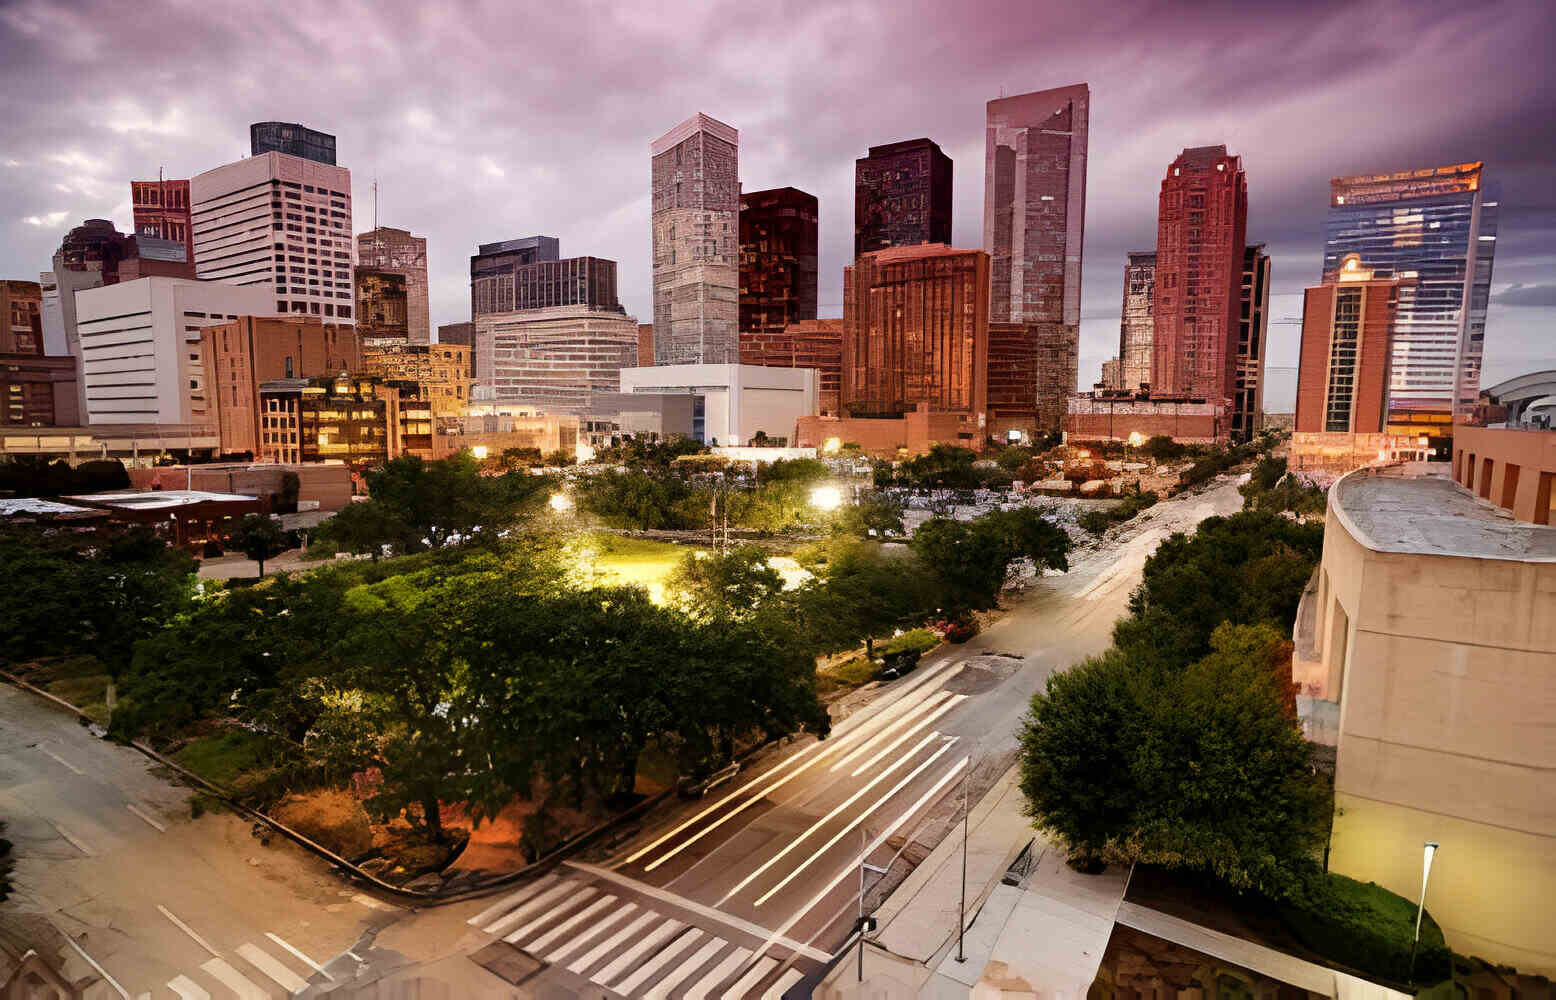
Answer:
[(1514, 469), (1445, 671)]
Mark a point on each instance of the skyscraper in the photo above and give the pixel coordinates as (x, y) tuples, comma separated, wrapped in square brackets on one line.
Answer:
[(492, 265), (396, 251), (1252, 331), (902, 196), (161, 208), (1201, 238), (777, 260), (1437, 226), (696, 224), (293, 140), (1343, 375), (1137, 327), (280, 221)]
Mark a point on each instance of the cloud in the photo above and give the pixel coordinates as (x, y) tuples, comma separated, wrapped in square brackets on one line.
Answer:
[(52, 220), (490, 168), (1527, 295)]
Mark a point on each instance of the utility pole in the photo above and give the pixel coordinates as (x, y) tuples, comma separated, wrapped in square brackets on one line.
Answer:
[(961, 907)]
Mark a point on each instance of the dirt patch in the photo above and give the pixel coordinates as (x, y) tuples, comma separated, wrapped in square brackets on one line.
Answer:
[(332, 817), (983, 673)]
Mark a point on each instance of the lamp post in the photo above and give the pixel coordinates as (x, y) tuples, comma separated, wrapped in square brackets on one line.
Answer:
[(961, 906), (1428, 850), (865, 924)]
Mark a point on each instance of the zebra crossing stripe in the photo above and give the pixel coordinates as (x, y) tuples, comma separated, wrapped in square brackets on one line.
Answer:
[(685, 970), (659, 961), (628, 958), (511, 900), (546, 939)]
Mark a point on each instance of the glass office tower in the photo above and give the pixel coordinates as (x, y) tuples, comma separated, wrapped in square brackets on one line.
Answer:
[(1436, 231)]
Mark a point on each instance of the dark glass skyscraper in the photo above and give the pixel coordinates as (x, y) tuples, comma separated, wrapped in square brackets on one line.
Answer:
[(1437, 226), (293, 140)]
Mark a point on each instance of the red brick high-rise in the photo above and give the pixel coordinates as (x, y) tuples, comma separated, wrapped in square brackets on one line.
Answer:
[(1347, 334), (916, 330), (161, 209), (1201, 238)]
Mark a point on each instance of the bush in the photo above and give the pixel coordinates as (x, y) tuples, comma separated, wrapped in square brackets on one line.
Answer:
[(1366, 927), (1099, 521)]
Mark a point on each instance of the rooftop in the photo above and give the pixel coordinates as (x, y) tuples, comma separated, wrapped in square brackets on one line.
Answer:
[(1390, 510), (158, 499), (35, 507)]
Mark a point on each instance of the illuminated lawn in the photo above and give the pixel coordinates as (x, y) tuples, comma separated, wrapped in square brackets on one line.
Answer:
[(602, 558)]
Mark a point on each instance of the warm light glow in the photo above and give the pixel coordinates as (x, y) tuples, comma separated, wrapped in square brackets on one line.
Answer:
[(561, 502), (832, 446), (826, 497), (1083, 453), (585, 453), (1136, 439), (479, 451), (1383, 455)]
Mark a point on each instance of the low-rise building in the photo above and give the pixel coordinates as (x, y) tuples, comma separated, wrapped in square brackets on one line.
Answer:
[(1427, 647), (730, 404), (355, 420), (1105, 415), (1512, 468), (913, 433), (815, 343), (38, 391), (557, 358), (442, 370)]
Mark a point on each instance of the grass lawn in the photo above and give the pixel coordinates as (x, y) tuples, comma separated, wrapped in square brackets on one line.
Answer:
[(855, 670), (225, 757), (605, 558)]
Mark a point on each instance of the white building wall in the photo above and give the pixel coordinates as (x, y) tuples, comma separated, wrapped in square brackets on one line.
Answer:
[(738, 400), (140, 346)]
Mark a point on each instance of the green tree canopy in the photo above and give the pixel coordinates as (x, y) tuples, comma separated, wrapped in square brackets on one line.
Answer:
[(258, 536), (972, 560), (723, 586)]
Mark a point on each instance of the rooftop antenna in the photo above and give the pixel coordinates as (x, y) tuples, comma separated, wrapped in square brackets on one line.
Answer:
[(375, 203)]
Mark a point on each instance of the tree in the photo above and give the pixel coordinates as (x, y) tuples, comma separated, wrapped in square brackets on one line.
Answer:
[(1161, 448), (363, 528), (258, 536), (860, 593), (723, 586), (1203, 767), (873, 516), (972, 560), (944, 466), (639, 499)]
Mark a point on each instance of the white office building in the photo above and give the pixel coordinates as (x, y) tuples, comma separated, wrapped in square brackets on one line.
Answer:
[(140, 346), (281, 222), (731, 403)]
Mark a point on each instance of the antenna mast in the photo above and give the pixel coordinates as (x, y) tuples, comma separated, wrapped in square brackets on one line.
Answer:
[(375, 203)]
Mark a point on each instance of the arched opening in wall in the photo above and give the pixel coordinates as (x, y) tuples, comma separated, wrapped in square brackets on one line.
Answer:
[(1485, 479), (1339, 646)]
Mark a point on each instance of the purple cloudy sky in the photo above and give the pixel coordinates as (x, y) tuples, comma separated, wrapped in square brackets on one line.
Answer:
[(490, 121)]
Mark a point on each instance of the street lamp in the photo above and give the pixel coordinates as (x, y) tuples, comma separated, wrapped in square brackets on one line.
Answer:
[(478, 452), (1428, 850), (826, 497), (561, 502)]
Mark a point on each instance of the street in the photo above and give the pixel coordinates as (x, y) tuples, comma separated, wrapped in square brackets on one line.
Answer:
[(744, 893)]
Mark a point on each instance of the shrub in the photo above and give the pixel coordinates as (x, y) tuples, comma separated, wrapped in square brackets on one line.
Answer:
[(1365, 926)]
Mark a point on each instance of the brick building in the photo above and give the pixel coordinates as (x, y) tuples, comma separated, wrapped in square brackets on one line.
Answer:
[(240, 355), (459, 333), (21, 317), (161, 209), (383, 306), (442, 370), (1137, 327), (1112, 374), (1201, 239), (1013, 378), (902, 196), (1347, 334), (916, 330), (696, 232), (645, 345), (816, 343), (396, 251), (38, 391), (777, 260), (355, 420), (1116, 415)]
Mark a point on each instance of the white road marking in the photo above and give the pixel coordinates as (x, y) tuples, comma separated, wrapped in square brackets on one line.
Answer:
[(692, 906), (626, 959), (511, 900), (111, 981), (187, 989), (371, 903), (234, 980), (561, 908), (906, 717), (685, 970), (920, 724), (62, 760), (783, 985), (720, 972), (310, 963), (547, 938), (863, 815), (72, 839), (753, 976), (502, 925), (605, 947), (153, 823), (926, 674), (659, 961), (852, 867), (272, 967), (611, 919), (795, 841), (188, 930)]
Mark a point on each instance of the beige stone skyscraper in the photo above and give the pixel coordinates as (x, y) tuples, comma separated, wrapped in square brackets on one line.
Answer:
[(696, 223), (396, 251)]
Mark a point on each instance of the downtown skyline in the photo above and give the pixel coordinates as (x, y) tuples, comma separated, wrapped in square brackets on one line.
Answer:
[(564, 148)]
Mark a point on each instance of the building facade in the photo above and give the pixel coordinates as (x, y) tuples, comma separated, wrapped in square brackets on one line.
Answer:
[(1511, 467), (21, 317), (731, 404), (696, 232), (1112, 374), (558, 359), (1117, 415), (1201, 237), (1137, 329), (1343, 370), (396, 251), (915, 330), (816, 343), (354, 420), (161, 209), (279, 222), (442, 371), (493, 262), (777, 260), (645, 345), (902, 196), (141, 352), (1013, 378), (38, 391), (1252, 336), (546, 284), (293, 140), (240, 354), (383, 306), (1437, 226)]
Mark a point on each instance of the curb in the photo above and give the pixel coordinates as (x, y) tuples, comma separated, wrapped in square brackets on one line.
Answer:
[(424, 898)]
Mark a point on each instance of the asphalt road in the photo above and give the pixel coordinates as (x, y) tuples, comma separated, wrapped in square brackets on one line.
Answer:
[(744, 893)]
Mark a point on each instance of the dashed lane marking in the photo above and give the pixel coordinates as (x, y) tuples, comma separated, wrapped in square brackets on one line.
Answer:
[(272, 967), (154, 824)]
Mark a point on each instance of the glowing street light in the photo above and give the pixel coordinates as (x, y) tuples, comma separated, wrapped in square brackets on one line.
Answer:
[(1428, 850), (1136, 439), (826, 497), (561, 502), (831, 446), (478, 452)]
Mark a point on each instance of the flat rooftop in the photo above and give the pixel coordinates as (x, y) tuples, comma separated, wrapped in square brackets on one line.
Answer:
[(1389, 510), (158, 499)]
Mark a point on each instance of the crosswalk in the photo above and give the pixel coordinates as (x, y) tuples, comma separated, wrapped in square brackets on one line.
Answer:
[(629, 947), (249, 972)]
